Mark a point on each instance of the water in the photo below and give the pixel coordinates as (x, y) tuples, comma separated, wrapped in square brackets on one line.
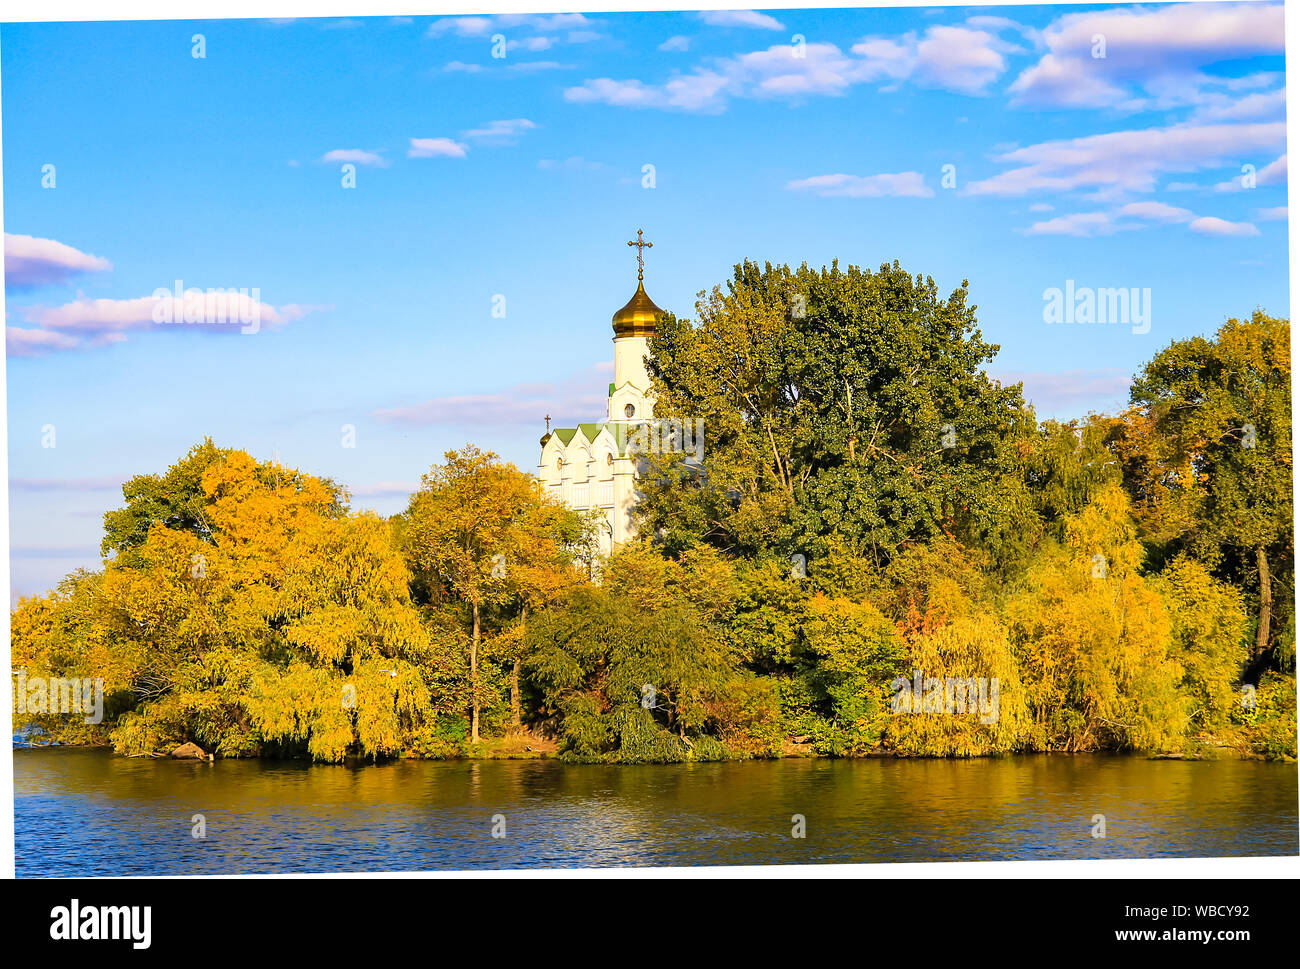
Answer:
[(86, 812)]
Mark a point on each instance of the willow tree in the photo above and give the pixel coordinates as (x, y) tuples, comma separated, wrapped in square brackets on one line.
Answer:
[(282, 625)]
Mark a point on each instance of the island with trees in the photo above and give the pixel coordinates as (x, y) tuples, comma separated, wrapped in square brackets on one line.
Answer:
[(869, 506)]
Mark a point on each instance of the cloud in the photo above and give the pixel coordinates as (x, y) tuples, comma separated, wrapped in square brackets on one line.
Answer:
[(958, 59), (1276, 214), (1081, 224), (105, 483), (572, 400), (575, 163), (383, 489), (677, 43), (21, 342), (101, 322), (463, 67), (1157, 212), (1261, 105), (1211, 226), (1274, 173), (529, 67), (356, 156), (499, 132), (952, 58), (740, 18), (864, 186), (1125, 161), (54, 552), (546, 29), (1068, 392), (435, 148), (30, 262), (1137, 215), (1152, 55)]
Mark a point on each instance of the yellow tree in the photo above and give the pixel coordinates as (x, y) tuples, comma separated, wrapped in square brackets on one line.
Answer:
[(461, 527)]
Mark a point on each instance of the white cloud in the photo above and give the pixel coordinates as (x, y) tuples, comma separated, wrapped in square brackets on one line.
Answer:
[(528, 67), (740, 18), (677, 43), (1275, 214), (1082, 224), (30, 261), (1126, 161), (1157, 212), (575, 26), (356, 156), (87, 323), (569, 400), (1211, 226), (575, 163), (383, 489), (21, 342), (462, 67), (1152, 55), (435, 148), (864, 186), (499, 132), (1137, 215), (958, 59), (1274, 173), (953, 58), (1068, 392)]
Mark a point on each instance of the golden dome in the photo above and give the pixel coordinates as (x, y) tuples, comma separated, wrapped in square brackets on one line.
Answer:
[(639, 316)]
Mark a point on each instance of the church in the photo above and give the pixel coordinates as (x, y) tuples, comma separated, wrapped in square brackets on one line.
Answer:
[(595, 465)]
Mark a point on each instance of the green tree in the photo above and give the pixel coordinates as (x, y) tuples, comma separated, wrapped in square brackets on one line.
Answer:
[(834, 403)]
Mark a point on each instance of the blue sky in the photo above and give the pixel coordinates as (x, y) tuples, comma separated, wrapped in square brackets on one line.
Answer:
[(522, 177)]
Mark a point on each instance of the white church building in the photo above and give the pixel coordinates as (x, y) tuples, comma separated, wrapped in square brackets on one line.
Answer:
[(591, 465)]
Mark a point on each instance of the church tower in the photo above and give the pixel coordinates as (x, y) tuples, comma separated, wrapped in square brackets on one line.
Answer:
[(590, 466), (634, 325)]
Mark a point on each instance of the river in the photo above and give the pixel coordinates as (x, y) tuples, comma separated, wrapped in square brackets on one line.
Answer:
[(87, 812)]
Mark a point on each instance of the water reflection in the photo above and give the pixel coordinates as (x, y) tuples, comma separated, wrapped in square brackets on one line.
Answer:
[(87, 812)]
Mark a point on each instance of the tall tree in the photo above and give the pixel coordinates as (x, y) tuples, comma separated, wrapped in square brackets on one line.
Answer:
[(1207, 458), (473, 523), (834, 402)]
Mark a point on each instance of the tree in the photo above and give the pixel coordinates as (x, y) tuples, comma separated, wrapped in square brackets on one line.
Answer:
[(488, 533), (1207, 458), (834, 403), (280, 626), (1092, 640)]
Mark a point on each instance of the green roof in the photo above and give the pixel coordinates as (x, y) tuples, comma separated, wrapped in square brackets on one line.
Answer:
[(619, 431)]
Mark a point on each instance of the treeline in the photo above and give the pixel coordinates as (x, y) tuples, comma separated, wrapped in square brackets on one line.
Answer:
[(872, 517)]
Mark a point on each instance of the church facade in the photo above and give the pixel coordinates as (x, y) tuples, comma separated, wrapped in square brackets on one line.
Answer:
[(594, 466)]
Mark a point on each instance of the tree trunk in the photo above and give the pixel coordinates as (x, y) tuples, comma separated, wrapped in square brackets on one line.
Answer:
[(514, 678), (473, 680), (1265, 603)]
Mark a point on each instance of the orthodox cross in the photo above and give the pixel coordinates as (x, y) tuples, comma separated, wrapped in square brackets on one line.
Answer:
[(640, 248), (548, 423)]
